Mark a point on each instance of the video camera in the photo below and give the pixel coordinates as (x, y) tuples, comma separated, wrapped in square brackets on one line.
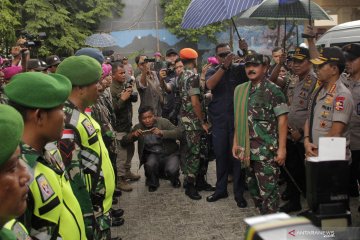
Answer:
[(147, 60), (170, 68), (31, 39), (134, 95)]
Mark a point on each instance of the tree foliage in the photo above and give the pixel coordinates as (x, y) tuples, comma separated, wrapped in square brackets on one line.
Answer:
[(174, 12), (66, 22)]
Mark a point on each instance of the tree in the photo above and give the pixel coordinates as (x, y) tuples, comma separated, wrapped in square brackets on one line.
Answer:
[(66, 22), (174, 12), (9, 21)]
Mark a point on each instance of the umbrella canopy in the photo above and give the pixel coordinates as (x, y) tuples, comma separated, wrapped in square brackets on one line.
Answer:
[(101, 40), (203, 12), (286, 9)]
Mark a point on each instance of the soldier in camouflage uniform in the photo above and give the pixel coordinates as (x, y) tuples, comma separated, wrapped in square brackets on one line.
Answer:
[(192, 119), (264, 148), (53, 210), (103, 113), (82, 146)]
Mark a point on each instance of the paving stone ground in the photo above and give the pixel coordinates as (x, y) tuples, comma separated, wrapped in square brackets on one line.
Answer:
[(168, 214)]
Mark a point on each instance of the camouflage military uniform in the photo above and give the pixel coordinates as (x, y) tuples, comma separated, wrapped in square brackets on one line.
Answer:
[(266, 103), (189, 85), (83, 177)]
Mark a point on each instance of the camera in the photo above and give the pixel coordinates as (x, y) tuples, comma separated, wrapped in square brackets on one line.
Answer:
[(134, 95), (32, 40), (147, 60), (170, 68)]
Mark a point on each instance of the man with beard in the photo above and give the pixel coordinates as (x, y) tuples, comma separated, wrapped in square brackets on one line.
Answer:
[(260, 133), (298, 100)]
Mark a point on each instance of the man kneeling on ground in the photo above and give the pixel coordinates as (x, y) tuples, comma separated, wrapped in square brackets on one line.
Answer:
[(157, 147)]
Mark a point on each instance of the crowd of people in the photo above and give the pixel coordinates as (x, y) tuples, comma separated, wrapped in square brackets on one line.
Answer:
[(68, 138)]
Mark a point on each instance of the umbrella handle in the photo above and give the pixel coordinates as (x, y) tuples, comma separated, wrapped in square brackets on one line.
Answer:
[(240, 52)]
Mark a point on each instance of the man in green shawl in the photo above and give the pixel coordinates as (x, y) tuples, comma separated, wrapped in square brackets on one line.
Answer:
[(260, 133)]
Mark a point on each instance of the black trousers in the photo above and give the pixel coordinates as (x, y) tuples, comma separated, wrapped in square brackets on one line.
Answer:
[(354, 172), (295, 163), (157, 165), (225, 162)]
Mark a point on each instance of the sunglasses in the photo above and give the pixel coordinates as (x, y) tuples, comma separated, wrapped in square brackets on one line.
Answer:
[(224, 54)]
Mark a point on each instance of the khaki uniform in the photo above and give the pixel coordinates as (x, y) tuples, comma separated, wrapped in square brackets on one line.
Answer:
[(328, 107)]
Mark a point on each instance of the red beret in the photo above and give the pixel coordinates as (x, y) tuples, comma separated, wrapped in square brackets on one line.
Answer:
[(188, 53)]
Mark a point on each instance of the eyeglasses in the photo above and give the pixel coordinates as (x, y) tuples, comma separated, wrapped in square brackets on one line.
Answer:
[(224, 54)]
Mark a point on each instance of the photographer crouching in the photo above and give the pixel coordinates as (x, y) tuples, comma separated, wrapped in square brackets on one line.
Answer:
[(157, 147), (123, 97)]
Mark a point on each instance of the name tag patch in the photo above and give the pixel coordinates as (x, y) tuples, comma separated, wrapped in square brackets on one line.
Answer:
[(88, 127), (45, 189)]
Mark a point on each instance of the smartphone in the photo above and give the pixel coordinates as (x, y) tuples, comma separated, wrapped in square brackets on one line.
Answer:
[(149, 131)]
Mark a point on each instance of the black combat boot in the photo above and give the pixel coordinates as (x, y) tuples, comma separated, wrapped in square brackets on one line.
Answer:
[(191, 192), (203, 185)]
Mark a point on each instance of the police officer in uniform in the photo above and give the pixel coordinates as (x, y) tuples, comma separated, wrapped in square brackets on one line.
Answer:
[(53, 210), (298, 99), (192, 119), (260, 111), (352, 81), (82, 146), (14, 175), (331, 104)]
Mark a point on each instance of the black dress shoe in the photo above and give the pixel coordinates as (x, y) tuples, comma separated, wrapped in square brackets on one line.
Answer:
[(241, 202), (114, 201), (117, 192), (214, 197), (152, 189), (117, 222), (191, 192), (176, 183), (116, 238), (117, 213), (290, 207)]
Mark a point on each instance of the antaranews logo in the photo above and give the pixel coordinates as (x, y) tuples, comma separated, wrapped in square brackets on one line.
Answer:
[(292, 233)]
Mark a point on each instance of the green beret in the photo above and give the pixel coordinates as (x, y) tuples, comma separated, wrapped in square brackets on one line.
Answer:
[(11, 130), (81, 70), (38, 90)]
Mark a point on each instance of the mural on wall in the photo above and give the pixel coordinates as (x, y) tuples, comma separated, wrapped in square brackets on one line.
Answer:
[(259, 38)]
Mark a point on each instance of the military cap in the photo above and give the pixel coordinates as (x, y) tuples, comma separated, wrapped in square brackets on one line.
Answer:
[(53, 60), (351, 51), (188, 53), (171, 51), (290, 55), (38, 90), (34, 64), (81, 70), (330, 54), (91, 52), (11, 130), (255, 58), (301, 54)]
